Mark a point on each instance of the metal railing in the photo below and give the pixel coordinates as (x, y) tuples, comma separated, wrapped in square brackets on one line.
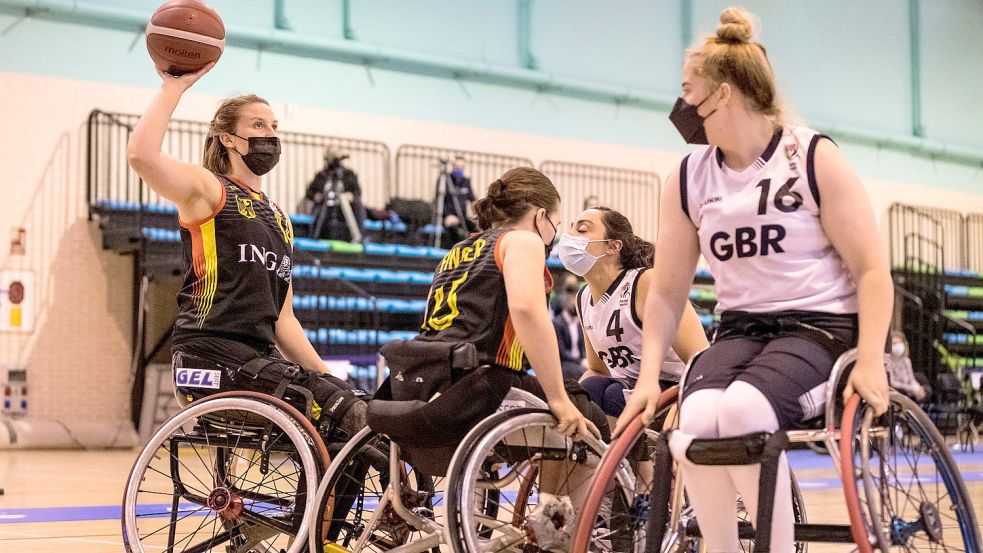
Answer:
[(918, 256), (634, 193), (109, 178), (417, 169), (973, 243), (960, 235)]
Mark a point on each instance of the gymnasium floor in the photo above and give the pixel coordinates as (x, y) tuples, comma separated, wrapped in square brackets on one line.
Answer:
[(69, 500)]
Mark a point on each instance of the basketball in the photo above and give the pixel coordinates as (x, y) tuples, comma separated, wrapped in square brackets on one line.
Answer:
[(185, 35)]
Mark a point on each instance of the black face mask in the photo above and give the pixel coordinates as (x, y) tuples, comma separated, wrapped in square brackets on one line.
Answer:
[(689, 122), (549, 247), (263, 153)]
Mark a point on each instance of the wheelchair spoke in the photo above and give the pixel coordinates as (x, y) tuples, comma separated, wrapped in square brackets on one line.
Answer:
[(199, 509), (918, 502), (181, 463), (168, 476), (204, 521)]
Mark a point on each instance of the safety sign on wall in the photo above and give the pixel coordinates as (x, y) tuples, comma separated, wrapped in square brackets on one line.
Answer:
[(18, 298)]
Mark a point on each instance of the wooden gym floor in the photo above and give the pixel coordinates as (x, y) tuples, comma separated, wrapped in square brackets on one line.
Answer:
[(69, 500)]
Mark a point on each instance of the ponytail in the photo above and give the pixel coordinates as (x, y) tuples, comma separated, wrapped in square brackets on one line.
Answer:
[(513, 195)]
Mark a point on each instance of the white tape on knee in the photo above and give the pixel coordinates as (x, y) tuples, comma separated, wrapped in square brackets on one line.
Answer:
[(679, 442)]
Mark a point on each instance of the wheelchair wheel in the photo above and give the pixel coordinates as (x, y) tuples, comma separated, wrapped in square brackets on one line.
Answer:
[(536, 478), (594, 534), (609, 522), (903, 490), (355, 488), (229, 473)]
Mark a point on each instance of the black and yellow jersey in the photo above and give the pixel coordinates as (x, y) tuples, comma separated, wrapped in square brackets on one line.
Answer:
[(237, 269), (467, 301)]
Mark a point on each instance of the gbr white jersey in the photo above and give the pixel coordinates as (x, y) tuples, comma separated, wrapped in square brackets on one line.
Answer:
[(615, 330), (759, 229)]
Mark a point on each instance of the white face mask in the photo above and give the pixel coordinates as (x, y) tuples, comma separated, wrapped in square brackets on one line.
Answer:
[(574, 255), (897, 349)]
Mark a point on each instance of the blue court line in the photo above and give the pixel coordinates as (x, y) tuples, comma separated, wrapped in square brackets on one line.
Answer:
[(804, 459), (114, 512), (96, 512)]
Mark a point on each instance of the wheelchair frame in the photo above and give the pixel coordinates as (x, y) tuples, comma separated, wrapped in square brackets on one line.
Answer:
[(832, 436)]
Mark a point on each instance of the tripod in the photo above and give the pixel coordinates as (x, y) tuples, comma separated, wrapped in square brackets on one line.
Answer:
[(335, 199), (443, 179)]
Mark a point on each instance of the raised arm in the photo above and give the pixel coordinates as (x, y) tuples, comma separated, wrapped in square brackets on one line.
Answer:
[(191, 187)]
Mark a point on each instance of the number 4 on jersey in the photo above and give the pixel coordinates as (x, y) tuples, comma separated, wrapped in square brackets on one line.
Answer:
[(614, 325)]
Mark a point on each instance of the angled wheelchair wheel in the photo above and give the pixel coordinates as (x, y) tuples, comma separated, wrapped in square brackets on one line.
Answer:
[(903, 489), (230, 472), (536, 478), (608, 521), (678, 530), (359, 491)]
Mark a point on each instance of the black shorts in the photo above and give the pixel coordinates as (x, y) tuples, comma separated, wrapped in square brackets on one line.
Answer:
[(196, 377), (787, 356)]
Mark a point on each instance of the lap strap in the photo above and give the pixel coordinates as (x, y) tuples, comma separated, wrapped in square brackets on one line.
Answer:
[(661, 493), (254, 367)]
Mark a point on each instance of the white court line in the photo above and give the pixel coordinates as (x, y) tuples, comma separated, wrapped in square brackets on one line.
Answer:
[(66, 538)]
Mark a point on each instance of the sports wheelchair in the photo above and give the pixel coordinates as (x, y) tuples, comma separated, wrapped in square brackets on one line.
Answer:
[(512, 484), (902, 489), (232, 472)]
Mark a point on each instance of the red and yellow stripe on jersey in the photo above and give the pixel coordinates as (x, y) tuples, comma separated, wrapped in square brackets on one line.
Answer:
[(204, 257)]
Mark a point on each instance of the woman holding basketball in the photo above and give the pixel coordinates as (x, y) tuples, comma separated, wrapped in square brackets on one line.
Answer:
[(235, 307), (601, 247), (799, 272)]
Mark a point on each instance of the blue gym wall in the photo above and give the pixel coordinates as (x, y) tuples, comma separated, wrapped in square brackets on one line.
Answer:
[(840, 64)]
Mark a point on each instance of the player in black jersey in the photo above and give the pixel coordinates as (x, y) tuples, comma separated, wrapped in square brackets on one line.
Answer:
[(235, 327), (491, 290)]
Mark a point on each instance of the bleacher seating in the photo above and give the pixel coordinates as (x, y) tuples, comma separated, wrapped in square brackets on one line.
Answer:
[(351, 298)]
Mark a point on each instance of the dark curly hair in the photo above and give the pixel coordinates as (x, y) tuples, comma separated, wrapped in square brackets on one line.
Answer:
[(635, 252)]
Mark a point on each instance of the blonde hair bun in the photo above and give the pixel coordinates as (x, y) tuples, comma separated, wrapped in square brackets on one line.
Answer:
[(735, 26)]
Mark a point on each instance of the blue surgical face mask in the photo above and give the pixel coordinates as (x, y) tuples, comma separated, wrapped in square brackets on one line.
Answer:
[(573, 253), (457, 173)]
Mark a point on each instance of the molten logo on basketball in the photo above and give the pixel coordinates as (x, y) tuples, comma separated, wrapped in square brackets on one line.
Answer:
[(182, 53)]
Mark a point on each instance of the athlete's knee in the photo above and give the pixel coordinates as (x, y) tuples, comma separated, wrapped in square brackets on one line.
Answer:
[(744, 409), (581, 398), (698, 414), (607, 393), (342, 405)]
